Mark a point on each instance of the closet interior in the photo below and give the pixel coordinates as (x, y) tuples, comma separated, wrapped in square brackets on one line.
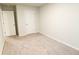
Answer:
[(8, 20)]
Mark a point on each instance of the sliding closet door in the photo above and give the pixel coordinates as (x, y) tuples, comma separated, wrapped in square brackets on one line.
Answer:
[(8, 23)]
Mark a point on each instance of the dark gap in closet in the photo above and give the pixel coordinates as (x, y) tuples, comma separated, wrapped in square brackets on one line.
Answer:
[(15, 17)]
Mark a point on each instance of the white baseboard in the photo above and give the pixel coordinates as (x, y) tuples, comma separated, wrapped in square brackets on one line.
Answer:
[(27, 34), (60, 41), (2, 40)]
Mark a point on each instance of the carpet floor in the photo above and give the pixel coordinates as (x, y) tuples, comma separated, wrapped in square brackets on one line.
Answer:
[(35, 44)]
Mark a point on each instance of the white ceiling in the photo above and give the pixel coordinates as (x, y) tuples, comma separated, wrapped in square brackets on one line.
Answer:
[(34, 4), (30, 4)]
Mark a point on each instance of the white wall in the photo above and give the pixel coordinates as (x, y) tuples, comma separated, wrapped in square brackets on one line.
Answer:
[(61, 21), (1, 34), (27, 17), (0, 24)]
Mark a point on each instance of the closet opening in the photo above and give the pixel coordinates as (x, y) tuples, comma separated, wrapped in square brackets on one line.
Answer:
[(9, 20)]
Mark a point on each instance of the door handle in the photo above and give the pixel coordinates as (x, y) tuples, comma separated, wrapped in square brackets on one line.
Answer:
[(26, 24)]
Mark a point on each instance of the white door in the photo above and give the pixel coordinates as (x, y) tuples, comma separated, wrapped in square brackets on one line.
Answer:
[(8, 23), (29, 21)]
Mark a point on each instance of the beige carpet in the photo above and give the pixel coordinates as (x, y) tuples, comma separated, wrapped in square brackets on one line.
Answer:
[(36, 44)]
